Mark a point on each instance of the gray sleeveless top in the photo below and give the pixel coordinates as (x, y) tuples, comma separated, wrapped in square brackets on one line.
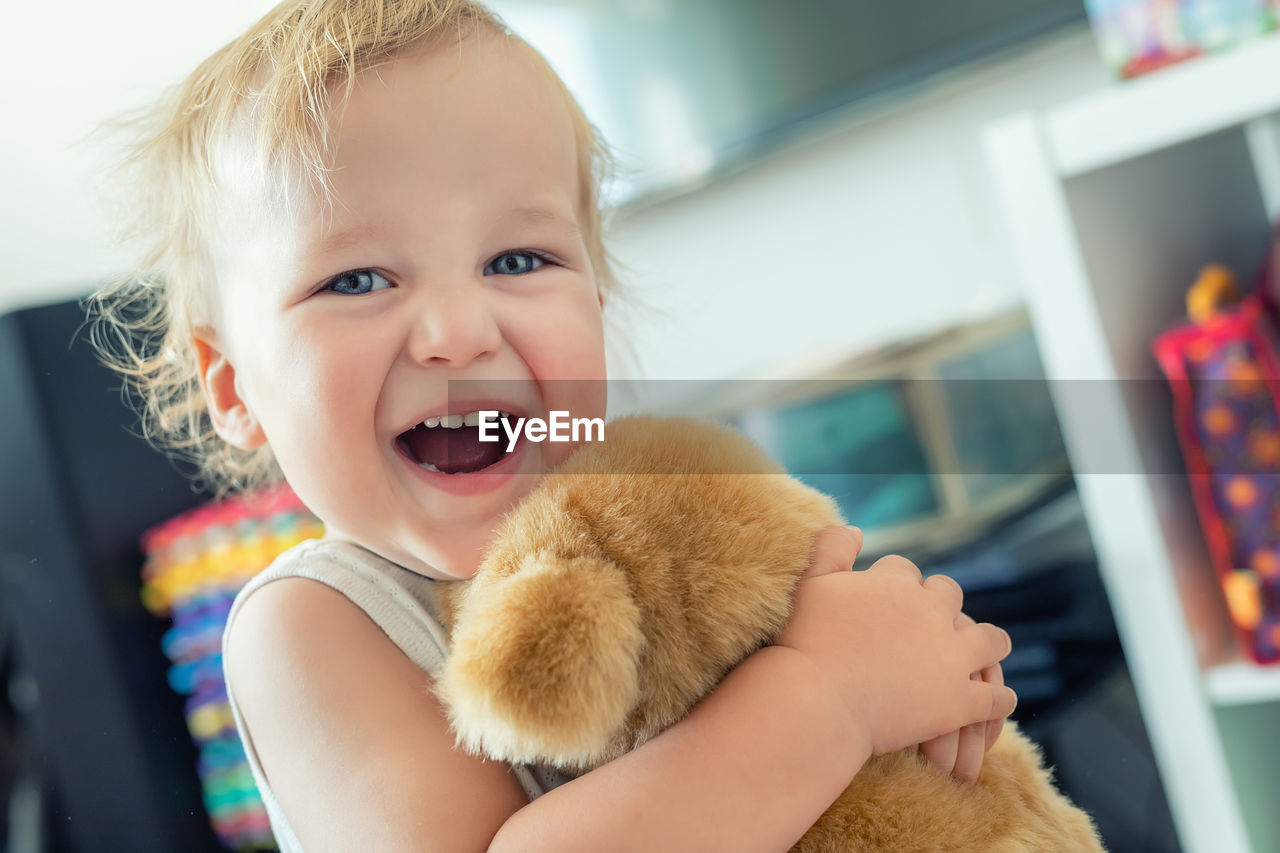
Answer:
[(399, 601)]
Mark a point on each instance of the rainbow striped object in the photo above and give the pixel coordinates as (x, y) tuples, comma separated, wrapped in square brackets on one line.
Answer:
[(195, 565)]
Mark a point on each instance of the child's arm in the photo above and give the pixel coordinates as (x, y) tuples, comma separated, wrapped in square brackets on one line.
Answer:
[(870, 662), (349, 734), (358, 754)]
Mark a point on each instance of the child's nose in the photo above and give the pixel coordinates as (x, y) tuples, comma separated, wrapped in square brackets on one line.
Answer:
[(456, 328)]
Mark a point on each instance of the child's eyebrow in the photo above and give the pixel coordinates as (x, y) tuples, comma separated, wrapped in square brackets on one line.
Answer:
[(539, 215), (357, 234), (348, 237)]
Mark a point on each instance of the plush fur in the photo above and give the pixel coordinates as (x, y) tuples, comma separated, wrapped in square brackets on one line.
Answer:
[(629, 583)]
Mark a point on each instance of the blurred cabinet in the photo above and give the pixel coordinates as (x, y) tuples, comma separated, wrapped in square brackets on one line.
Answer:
[(1112, 204)]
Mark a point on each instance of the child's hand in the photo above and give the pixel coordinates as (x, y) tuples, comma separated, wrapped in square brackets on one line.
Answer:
[(896, 650), (961, 752)]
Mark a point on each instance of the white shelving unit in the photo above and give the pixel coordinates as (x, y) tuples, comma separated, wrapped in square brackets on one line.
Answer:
[(1112, 204)]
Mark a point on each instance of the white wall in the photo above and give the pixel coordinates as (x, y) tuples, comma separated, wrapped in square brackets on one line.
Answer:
[(881, 227), (68, 68)]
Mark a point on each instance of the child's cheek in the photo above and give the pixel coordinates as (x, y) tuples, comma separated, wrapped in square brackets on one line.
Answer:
[(556, 454)]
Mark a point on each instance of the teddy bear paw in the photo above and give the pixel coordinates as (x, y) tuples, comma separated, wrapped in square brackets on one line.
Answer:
[(544, 663)]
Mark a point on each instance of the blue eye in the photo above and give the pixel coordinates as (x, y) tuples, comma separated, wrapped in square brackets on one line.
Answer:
[(357, 282), (515, 263)]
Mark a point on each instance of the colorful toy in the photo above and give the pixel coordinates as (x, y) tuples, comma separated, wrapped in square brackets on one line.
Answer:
[(1139, 36), (195, 565), (1225, 377)]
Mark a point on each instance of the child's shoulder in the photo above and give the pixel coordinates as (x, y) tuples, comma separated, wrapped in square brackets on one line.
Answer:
[(338, 715), (283, 614), (321, 580), (319, 559), (285, 599)]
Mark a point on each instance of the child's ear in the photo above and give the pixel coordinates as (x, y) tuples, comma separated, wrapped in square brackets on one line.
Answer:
[(232, 418)]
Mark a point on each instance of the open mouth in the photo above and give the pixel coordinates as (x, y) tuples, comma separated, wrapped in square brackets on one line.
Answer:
[(451, 444)]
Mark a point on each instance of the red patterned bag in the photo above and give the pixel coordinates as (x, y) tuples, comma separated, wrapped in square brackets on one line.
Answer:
[(1224, 372)]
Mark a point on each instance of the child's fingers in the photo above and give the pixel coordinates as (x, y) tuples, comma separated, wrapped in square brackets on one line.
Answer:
[(993, 675), (948, 590), (971, 748), (988, 643), (990, 702), (941, 751), (897, 565), (834, 550)]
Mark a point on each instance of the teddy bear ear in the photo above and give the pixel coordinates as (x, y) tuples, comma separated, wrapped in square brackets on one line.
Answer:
[(544, 667)]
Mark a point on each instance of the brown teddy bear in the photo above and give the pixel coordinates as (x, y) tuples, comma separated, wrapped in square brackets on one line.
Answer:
[(630, 582)]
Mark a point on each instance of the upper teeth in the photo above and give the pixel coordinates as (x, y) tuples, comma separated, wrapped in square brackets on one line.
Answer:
[(455, 421)]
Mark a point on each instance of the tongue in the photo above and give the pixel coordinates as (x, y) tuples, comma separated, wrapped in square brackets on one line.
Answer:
[(453, 451)]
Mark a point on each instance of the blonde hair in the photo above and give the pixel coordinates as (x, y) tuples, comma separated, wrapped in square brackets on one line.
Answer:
[(282, 74)]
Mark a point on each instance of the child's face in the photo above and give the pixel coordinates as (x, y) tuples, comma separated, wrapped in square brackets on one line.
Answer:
[(452, 252)]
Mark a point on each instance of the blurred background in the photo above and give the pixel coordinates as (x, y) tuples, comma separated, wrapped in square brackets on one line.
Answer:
[(917, 249)]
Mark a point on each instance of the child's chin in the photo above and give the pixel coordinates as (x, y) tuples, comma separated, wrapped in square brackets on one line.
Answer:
[(441, 569), (458, 560)]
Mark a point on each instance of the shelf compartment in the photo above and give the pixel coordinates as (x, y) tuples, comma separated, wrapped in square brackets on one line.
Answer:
[(1107, 253)]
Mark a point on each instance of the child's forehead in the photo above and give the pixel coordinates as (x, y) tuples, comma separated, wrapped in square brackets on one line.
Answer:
[(464, 92), (480, 128), (478, 83)]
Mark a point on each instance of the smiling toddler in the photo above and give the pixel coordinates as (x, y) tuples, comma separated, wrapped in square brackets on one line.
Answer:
[(371, 222)]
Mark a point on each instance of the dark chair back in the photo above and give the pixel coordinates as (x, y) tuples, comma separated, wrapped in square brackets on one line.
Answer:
[(77, 487)]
